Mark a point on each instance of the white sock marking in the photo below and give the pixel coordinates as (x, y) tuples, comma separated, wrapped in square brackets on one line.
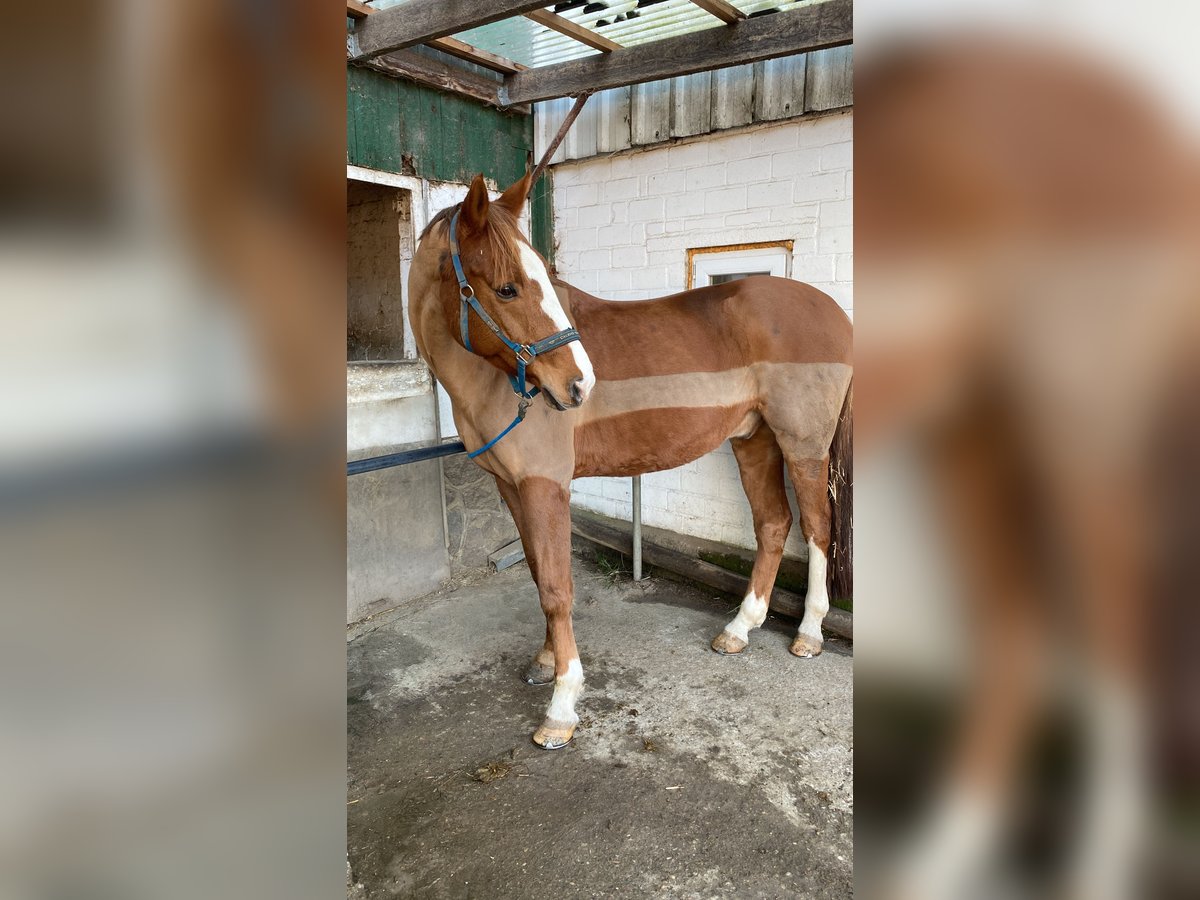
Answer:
[(752, 614), (816, 601), (566, 692), (536, 272)]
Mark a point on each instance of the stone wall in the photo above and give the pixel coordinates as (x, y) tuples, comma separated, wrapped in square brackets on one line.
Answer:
[(477, 520)]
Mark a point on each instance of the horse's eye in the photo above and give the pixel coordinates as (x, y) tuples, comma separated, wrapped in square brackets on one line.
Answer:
[(507, 292)]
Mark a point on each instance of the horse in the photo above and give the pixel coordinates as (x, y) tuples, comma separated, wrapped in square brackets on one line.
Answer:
[(629, 387)]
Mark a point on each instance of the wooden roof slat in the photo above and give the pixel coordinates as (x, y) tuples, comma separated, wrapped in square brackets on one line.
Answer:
[(421, 21), (488, 60), (563, 25), (413, 66), (806, 28), (723, 10), (358, 10)]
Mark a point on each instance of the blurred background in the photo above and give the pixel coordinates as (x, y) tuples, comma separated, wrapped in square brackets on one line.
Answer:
[(171, 458), (1026, 352)]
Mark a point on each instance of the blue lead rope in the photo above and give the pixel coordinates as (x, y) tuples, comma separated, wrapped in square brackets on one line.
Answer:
[(524, 353)]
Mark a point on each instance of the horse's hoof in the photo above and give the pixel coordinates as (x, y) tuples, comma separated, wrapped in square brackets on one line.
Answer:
[(725, 643), (538, 674), (553, 735), (806, 646)]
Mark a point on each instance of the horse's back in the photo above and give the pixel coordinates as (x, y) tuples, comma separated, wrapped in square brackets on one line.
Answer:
[(712, 329)]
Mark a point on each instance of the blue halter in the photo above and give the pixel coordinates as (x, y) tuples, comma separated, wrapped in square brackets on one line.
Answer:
[(524, 353)]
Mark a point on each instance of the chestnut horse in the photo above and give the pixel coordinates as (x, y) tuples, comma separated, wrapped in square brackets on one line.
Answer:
[(633, 387)]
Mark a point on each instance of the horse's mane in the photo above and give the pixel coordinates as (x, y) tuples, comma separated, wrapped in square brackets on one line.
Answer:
[(503, 237)]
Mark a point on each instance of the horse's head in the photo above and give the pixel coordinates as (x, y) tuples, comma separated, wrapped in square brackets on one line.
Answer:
[(510, 281)]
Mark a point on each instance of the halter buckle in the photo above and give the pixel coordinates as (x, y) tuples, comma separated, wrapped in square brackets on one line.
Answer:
[(528, 352)]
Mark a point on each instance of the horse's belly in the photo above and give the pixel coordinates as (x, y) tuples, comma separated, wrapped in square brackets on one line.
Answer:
[(649, 440)]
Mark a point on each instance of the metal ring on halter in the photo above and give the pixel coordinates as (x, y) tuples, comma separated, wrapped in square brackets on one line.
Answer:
[(466, 292)]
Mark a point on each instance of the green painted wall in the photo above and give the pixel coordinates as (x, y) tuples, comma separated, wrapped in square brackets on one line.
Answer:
[(397, 126)]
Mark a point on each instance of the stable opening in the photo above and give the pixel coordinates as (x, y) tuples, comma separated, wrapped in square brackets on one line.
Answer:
[(380, 245)]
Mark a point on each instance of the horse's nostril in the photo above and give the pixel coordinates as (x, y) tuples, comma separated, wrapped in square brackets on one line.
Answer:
[(577, 391)]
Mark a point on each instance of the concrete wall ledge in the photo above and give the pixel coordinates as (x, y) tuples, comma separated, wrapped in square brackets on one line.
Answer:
[(372, 382)]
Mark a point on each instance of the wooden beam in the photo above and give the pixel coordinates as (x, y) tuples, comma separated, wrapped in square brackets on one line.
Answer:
[(563, 25), (463, 50), (815, 27), (412, 66), (357, 10), (726, 12), (419, 21)]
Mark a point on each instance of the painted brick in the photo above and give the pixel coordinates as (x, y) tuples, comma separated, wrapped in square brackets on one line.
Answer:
[(649, 210), (612, 280), (837, 157), (591, 216), (747, 171), (648, 278), (683, 205), (835, 240), (684, 156), (770, 140), (728, 200), (729, 147), (795, 162), (621, 189), (613, 235), (595, 259), (583, 194), (812, 268), (704, 177), (666, 183), (837, 213), (831, 186), (628, 257)]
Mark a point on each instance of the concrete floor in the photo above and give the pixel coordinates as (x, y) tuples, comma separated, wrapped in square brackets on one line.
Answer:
[(691, 774)]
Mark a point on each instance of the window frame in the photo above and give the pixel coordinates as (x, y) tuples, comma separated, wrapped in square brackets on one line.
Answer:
[(705, 262)]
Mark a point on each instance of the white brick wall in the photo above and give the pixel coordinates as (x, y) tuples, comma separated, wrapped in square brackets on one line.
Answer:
[(624, 225)]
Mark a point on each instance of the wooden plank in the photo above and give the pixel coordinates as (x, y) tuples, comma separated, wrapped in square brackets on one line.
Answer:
[(815, 27), (419, 21), (726, 12), (691, 104), (732, 97), (563, 25), (453, 46), (650, 119), (779, 88), (837, 621), (830, 81), (463, 50), (412, 66)]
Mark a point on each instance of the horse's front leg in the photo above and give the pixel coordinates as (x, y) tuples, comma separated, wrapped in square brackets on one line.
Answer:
[(541, 668), (546, 514)]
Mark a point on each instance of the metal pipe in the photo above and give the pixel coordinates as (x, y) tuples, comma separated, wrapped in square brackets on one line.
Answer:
[(637, 527)]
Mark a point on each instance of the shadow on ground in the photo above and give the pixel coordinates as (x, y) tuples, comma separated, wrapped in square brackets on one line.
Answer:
[(691, 774)]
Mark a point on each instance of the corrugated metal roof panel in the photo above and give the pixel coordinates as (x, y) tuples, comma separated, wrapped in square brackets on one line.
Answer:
[(627, 22)]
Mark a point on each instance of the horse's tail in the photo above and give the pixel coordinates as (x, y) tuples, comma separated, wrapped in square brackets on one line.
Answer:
[(841, 498)]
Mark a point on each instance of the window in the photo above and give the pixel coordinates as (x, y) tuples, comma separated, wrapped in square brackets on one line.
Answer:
[(718, 265)]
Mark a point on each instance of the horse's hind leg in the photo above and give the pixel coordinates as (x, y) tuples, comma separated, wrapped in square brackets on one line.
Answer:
[(541, 667), (810, 478), (760, 463)]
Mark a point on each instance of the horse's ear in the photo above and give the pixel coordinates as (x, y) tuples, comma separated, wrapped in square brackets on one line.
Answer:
[(475, 207), (514, 198)]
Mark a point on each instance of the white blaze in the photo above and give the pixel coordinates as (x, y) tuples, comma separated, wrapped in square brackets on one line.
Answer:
[(752, 614), (536, 273), (566, 692), (816, 601)]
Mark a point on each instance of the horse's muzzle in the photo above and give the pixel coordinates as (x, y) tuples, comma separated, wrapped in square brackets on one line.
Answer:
[(576, 393)]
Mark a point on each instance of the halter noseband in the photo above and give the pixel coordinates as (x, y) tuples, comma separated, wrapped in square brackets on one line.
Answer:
[(524, 353)]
